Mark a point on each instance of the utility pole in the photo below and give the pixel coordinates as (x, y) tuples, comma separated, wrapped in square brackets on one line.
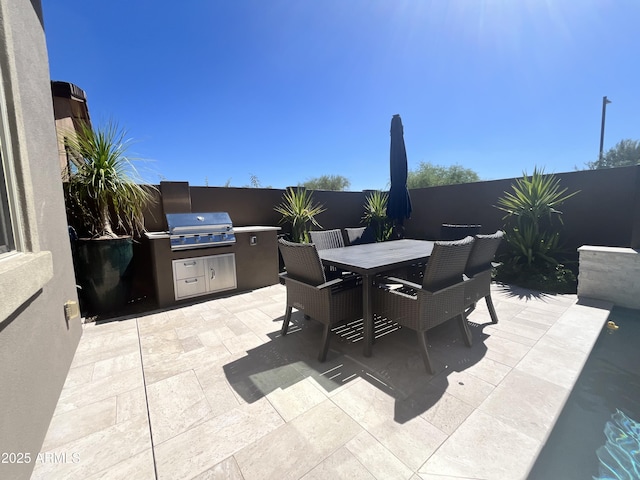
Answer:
[(605, 100)]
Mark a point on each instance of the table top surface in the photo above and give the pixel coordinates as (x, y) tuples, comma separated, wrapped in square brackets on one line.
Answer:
[(377, 257)]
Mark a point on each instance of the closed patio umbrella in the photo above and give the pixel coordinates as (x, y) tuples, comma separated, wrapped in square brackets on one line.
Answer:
[(399, 203)]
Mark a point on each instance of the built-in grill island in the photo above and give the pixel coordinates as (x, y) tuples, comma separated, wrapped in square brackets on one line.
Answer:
[(203, 253)]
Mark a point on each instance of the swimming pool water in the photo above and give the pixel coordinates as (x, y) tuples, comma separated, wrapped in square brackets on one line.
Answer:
[(597, 434)]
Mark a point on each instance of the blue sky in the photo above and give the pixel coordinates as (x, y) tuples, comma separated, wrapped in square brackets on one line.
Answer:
[(287, 90)]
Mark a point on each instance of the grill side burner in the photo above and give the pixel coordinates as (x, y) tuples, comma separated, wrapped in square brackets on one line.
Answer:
[(200, 230)]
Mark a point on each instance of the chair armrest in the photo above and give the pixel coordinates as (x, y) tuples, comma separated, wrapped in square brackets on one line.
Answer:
[(322, 286), (455, 286), (331, 283), (402, 281), (478, 274)]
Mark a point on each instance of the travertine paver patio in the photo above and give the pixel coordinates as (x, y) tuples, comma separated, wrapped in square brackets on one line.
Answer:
[(211, 390)]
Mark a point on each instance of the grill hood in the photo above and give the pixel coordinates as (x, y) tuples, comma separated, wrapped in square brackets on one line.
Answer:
[(198, 230), (198, 223)]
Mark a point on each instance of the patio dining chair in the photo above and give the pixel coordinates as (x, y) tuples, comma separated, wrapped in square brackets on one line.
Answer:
[(477, 283), (329, 302), (440, 297), (324, 239), (359, 235)]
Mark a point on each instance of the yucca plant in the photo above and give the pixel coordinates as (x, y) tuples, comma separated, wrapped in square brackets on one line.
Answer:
[(297, 208), (531, 210), (532, 247), (532, 227), (103, 185), (535, 197), (375, 215), (104, 196)]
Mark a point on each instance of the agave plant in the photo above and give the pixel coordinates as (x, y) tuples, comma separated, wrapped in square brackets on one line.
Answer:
[(103, 186), (297, 208), (531, 211), (375, 215)]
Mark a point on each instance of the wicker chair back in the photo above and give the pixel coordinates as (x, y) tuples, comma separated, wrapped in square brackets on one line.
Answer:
[(353, 235), (359, 235), (446, 264), (482, 253), (324, 239), (302, 262)]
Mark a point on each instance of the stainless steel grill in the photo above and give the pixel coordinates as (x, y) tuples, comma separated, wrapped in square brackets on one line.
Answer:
[(200, 230)]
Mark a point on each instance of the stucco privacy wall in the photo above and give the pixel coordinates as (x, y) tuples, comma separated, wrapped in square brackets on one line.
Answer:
[(606, 211), (36, 342), (611, 274)]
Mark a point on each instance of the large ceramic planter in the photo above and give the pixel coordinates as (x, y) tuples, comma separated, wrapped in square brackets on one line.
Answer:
[(104, 270)]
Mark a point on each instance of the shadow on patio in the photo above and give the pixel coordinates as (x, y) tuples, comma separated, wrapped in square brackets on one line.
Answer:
[(395, 368)]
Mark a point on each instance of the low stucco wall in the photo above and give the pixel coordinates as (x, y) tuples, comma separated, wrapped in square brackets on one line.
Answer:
[(610, 273)]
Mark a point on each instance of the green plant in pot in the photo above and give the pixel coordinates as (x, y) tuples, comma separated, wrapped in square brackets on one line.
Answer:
[(533, 256), (298, 209), (104, 201), (375, 215)]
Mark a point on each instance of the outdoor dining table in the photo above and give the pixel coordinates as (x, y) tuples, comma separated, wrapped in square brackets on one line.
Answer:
[(371, 259)]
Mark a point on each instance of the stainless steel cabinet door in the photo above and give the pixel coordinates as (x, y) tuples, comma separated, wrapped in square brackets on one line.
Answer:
[(221, 272)]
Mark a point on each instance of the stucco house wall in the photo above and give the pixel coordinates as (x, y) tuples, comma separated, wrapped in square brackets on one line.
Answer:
[(37, 341)]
